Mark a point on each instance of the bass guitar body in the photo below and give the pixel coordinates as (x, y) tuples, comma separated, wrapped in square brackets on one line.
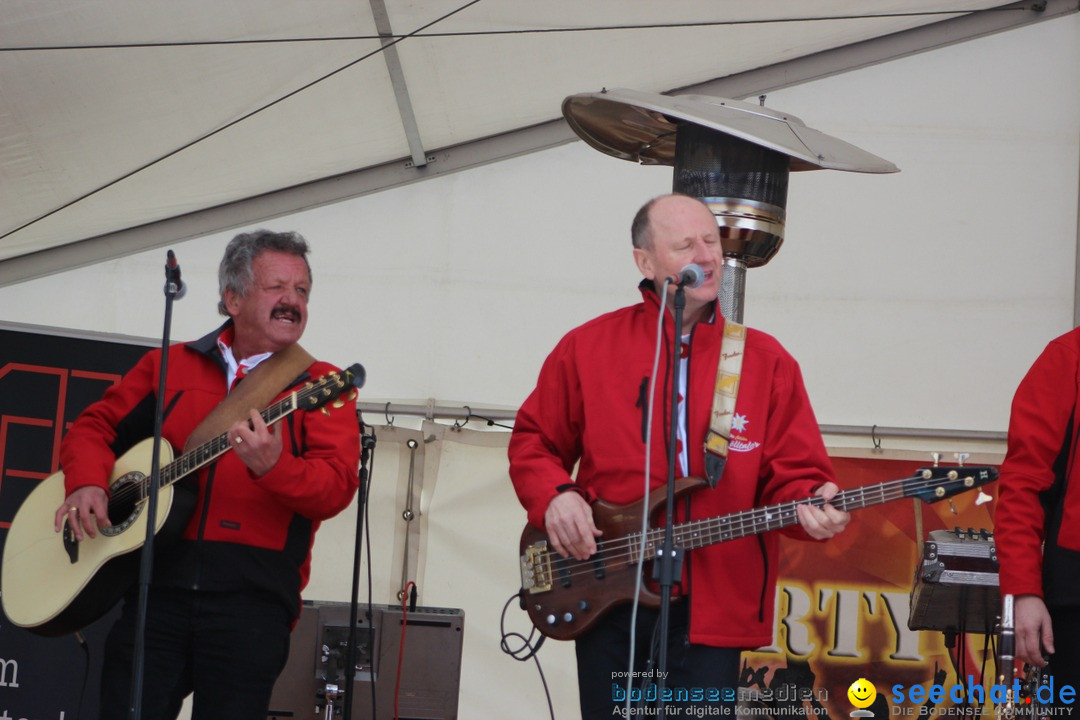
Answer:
[(565, 597)]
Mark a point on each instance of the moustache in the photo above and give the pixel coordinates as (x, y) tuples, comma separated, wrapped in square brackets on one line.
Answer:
[(286, 311)]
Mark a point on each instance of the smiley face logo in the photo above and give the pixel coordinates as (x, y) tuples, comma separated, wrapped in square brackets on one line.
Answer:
[(862, 693)]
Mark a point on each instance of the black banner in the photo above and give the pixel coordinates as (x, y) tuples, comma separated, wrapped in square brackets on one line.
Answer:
[(46, 380)]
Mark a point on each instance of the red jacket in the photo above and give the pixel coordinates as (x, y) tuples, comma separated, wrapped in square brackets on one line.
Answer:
[(1040, 466), (588, 408), (246, 533)]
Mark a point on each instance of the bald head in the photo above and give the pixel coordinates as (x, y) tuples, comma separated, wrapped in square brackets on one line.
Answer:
[(642, 230), (671, 232)]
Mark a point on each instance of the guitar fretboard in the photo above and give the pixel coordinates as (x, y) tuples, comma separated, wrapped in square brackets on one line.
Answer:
[(700, 533), (209, 451), (310, 397)]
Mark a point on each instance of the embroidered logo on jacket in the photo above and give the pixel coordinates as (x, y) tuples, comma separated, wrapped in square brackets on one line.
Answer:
[(739, 442)]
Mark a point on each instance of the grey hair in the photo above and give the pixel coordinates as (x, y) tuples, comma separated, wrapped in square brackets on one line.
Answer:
[(640, 232), (235, 273)]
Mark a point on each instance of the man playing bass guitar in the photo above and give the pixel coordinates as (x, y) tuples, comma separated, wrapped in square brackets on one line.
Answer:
[(589, 410)]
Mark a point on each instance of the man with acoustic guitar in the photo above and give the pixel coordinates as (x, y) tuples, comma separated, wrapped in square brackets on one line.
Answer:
[(589, 410), (225, 594)]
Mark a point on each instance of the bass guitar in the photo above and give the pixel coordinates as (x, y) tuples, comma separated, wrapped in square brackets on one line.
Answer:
[(564, 597), (51, 584)]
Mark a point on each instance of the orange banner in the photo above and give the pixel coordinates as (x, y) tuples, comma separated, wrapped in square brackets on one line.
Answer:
[(843, 606)]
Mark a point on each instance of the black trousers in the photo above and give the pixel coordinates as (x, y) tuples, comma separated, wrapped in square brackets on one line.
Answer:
[(1065, 662), (226, 648), (697, 675)]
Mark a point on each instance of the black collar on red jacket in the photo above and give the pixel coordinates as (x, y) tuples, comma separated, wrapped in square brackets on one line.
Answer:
[(652, 298), (207, 345)]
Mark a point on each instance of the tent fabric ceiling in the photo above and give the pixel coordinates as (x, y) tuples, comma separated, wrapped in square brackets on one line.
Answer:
[(119, 113)]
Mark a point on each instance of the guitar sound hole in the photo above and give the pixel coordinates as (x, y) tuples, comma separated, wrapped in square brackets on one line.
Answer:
[(125, 502)]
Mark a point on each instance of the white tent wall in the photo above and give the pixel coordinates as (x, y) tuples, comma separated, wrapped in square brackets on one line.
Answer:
[(911, 300)]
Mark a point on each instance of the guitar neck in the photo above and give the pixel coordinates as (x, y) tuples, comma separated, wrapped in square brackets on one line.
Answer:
[(709, 531), (211, 450)]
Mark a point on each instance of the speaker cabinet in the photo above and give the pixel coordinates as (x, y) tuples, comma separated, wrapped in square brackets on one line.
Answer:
[(430, 666)]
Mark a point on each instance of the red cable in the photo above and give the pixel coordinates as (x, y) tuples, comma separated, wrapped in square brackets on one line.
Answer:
[(401, 648)]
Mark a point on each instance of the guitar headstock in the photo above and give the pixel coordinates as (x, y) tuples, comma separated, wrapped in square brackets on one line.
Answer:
[(931, 484), (335, 387)]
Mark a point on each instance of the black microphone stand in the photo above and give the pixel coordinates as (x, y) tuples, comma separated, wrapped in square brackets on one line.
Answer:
[(667, 567), (367, 449), (173, 287)]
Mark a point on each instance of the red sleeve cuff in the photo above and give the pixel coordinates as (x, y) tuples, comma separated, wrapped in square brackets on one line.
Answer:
[(574, 487)]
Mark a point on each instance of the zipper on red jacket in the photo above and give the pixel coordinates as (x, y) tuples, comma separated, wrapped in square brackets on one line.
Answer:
[(204, 511), (643, 404)]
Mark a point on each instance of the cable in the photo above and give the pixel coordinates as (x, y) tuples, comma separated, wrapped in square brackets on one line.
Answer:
[(527, 651), (645, 497), (230, 124), (522, 31), (401, 645)]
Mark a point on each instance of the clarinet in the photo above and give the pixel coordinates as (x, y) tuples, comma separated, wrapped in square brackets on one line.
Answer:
[(1006, 662), (1031, 677)]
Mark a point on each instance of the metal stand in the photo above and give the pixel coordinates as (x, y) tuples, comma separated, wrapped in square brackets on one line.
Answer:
[(367, 449), (173, 290), (667, 567)]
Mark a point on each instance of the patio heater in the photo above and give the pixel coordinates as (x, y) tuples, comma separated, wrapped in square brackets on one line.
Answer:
[(734, 156)]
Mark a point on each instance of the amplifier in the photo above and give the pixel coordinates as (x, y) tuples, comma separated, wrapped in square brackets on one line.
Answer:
[(430, 675), (956, 583)]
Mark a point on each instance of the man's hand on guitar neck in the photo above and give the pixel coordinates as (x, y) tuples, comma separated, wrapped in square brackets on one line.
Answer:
[(824, 522), (257, 444), (85, 510), (570, 527)]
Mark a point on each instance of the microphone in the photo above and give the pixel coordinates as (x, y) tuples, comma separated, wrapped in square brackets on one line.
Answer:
[(690, 276), (173, 283)]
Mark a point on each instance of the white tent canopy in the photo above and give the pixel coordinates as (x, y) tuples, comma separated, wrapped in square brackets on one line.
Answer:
[(131, 124), (911, 300)]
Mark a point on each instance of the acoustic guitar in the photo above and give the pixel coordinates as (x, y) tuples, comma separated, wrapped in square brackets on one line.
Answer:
[(51, 584)]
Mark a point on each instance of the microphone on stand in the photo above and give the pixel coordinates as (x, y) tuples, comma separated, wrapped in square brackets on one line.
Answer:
[(173, 282), (690, 276)]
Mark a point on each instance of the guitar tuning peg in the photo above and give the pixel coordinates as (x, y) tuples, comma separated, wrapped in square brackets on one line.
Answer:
[(937, 458), (952, 507), (325, 411), (338, 403), (961, 458)]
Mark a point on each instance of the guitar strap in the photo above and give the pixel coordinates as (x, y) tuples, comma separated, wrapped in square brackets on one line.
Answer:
[(259, 387), (732, 348)]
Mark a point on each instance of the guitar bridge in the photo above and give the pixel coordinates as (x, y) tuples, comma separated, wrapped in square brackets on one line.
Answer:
[(71, 545), (536, 568)]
